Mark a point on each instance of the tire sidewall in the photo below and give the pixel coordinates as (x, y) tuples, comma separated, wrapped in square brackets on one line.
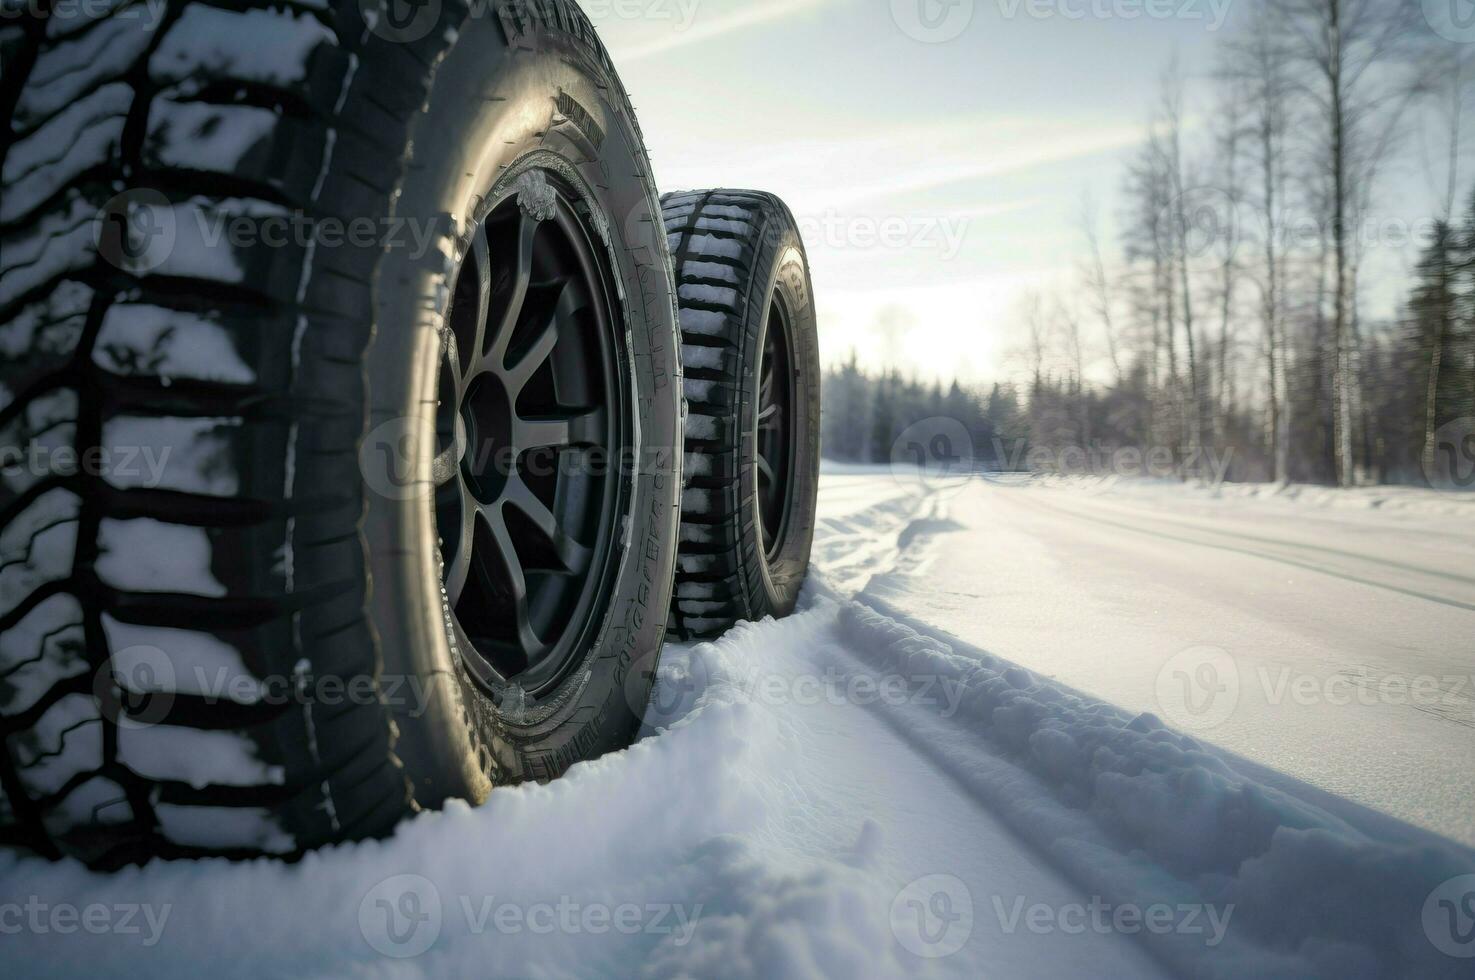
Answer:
[(783, 273), (501, 104)]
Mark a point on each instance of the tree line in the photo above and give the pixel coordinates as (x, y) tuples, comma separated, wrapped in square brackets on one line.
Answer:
[(1229, 319)]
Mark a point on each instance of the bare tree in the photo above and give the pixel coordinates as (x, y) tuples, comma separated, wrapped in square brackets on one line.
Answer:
[(1149, 241), (1230, 134), (1098, 285), (1344, 45), (1070, 328), (1258, 65), (1176, 167)]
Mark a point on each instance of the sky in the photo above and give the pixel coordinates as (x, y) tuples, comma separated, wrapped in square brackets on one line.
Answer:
[(936, 152)]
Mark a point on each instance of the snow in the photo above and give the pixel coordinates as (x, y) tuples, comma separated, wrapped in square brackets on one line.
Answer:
[(195, 135), (169, 344), (51, 326), (83, 135), (191, 455), (198, 758), (853, 793), (145, 555), (179, 661), (67, 739), (1344, 633), (712, 295), (58, 242), (36, 546), (65, 72), (710, 270), (44, 647), (270, 47)]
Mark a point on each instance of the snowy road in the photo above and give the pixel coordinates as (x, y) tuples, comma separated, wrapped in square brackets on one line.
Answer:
[(1345, 637), (949, 763)]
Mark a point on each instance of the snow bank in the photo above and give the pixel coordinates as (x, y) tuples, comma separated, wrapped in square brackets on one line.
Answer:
[(650, 862)]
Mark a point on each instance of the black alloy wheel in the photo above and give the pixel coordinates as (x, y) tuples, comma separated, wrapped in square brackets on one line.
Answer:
[(775, 440), (530, 435)]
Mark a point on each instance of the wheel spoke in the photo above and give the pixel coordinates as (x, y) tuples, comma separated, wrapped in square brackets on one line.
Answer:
[(458, 569), (537, 355), (482, 268), (765, 470), (495, 346), (583, 429), (516, 582), (558, 304), (571, 554)]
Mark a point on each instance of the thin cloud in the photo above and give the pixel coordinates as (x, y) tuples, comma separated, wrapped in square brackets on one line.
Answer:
[(751, 15)]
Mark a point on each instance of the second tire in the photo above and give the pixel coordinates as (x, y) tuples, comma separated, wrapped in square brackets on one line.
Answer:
[(751, 355)]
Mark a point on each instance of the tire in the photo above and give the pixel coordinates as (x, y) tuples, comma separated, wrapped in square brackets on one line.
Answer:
[(223, 623), (743, 281)]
